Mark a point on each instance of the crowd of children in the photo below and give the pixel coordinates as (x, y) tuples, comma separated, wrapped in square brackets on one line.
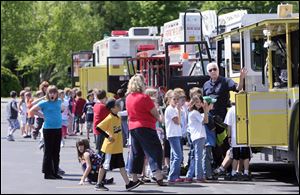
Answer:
[(180, 117)]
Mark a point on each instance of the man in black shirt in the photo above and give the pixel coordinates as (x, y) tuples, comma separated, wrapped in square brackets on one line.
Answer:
[(218, 87)]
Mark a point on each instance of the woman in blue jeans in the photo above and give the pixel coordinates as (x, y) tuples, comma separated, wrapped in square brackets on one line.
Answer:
[(196, 122), (142, 116)]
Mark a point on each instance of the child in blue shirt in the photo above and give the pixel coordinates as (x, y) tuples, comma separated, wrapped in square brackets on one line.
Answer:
[(52, 114)]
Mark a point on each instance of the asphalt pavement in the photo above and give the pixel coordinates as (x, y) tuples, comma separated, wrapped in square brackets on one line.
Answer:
[(21, 163)]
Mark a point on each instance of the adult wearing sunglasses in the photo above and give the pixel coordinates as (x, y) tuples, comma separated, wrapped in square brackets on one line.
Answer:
[(218, 87)]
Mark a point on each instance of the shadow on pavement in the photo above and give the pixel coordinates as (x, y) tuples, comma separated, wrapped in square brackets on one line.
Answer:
[(149, 191), (274, 172), (71, 179), (72, 175)]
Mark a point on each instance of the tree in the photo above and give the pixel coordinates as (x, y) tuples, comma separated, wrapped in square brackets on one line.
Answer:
[(9, 82), (156, 13), (55, 30), (38, 38)]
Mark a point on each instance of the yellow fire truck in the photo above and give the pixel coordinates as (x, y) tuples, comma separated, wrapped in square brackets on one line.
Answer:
[(267, 113)]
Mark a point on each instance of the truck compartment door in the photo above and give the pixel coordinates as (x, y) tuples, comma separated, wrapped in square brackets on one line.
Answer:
[(241, 119), (267, 118)]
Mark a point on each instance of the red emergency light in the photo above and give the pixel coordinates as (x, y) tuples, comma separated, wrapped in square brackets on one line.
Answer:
[(146, 47), (116, 33)]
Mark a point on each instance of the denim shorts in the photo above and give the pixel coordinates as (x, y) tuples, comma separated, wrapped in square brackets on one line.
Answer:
[(14, 124)]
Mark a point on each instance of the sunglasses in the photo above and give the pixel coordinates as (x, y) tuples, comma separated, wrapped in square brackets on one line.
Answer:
[(213, 69)]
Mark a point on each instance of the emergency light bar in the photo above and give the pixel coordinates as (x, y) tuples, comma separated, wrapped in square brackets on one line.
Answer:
[(146, 47), (116, 33)]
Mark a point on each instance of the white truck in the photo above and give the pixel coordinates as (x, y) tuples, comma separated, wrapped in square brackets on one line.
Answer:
[(110, 56), (173, 31)]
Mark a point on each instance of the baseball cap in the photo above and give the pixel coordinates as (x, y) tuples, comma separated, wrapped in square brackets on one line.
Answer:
[(209, 99), (111, 103)]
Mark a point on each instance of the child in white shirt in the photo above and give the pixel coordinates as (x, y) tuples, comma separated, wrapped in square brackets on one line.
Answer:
[(174, 135), (196, 122)]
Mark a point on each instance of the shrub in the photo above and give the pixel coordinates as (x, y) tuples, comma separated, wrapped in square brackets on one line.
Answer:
[(9, 82)]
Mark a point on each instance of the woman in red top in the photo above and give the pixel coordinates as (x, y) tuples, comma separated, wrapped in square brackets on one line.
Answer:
[(142, 116)]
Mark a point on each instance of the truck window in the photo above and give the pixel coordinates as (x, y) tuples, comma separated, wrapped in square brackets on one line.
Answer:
[(235, 54), (278, 48), (141, 32), (258, 52)]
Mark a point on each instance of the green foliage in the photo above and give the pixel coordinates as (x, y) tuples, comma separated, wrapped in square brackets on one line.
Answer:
[(38, 37), (9, 82)]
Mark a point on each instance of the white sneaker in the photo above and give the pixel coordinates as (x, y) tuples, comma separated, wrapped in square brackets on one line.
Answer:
[(10, 138)]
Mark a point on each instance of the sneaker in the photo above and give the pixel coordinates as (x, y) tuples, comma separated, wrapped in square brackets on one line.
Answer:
[(100, 187), (246, 177), (60, 171), (10, 138), (179, 180), (108, 181), (161, 182), (219, 172), (57, 176), (212, 178), (234, 177), (146, 179), (49, 176), (141, 181), (132, 185), (188, 180)]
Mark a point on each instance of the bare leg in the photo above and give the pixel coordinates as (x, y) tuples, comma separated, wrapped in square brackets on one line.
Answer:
[(234, 167), (227, 161), (246, 166), (26, 129), (134, 177), (101, 175), (124, 175), (81, 127), (23, 130)]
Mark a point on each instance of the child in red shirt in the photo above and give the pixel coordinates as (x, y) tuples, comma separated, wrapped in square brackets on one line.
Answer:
[(79, 104)]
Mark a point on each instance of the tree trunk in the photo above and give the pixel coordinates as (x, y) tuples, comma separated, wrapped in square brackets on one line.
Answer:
[(47, 74)]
